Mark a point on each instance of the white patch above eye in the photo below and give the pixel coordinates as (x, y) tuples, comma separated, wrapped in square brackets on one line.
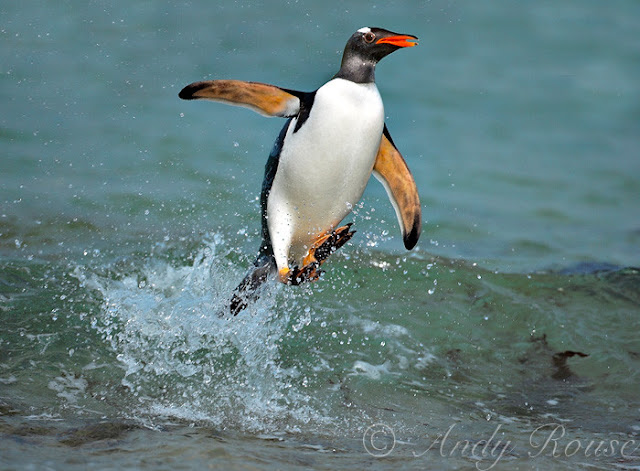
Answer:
[(364, 30)]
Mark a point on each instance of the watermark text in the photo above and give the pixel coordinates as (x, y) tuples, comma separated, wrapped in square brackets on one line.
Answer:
[(549, 440)]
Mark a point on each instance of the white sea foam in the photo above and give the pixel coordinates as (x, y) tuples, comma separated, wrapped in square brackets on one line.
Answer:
[(181, 360)]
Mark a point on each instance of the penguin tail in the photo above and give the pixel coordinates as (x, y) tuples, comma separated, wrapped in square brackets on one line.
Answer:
[(248, 291)]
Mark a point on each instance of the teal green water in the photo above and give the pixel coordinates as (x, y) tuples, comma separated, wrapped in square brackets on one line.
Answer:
[(127, 216)]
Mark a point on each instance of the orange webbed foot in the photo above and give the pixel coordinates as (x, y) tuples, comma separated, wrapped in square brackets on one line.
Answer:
[(324, 246)]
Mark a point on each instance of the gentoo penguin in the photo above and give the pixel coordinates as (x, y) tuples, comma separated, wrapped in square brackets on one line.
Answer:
[(334, 139)]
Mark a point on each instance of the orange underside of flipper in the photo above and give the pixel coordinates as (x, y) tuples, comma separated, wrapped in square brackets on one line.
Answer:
[(263, 98)]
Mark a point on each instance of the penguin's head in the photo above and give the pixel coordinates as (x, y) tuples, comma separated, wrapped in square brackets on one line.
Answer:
[(375, 43), (366, 48)]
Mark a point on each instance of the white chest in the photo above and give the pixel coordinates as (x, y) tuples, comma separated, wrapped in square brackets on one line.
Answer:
[(338, 143), (325, 165)]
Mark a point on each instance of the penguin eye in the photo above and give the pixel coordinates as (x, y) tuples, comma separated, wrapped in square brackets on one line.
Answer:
[(369, 37)]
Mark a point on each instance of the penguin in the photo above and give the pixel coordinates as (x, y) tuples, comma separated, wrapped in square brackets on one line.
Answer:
[(334, 139)]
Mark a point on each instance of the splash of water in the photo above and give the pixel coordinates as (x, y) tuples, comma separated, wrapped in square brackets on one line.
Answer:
[(182, 360)]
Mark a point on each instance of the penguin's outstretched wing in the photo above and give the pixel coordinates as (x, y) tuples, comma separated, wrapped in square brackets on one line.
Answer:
[(263, 98), (392, 171)]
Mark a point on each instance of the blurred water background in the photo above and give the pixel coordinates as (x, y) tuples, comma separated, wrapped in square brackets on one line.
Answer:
[(127, 216)]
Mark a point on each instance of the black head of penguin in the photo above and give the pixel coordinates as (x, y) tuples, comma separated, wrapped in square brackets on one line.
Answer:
[(365, 48)]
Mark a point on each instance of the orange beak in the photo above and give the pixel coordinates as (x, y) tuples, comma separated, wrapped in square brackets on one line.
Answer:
[(401, 40)]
